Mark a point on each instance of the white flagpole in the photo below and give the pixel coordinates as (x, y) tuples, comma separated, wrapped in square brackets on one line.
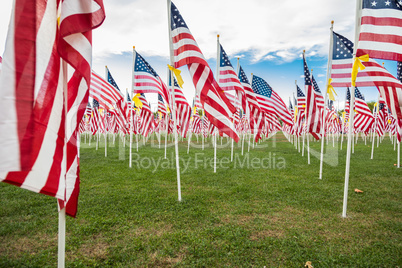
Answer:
[(105, 133), (214, 139), (167, 130), (189, 141), (375, 125), (78, 143), (174, 102), (217, 80), (61, 239), (105, 110), (325, 97), (351, 116), (398, 165), (97, 131), (61, 251)]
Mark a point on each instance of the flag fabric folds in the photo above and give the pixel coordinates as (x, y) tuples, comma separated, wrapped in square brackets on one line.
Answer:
[(380, 31), (373, 75), (312, 112), (146, 80), (256, 113), (187, 52), (270, 101), (41, 61), (183, 109)]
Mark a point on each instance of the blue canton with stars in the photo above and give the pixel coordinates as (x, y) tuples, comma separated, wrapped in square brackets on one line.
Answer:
[(307, 80), (300, 92), (174, 79), (295, 100), (347, 94), (141, 65), (160, 98), (330, 104), (224, 60), (260, 86), (342, 47), (242, 76), (381, 106), (176, 20), (358, 95), (95, 103), (111, 80), (316, 88), (381, 4), (399, 71)]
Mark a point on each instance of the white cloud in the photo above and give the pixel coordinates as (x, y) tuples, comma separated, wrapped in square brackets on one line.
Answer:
[(283, 28)]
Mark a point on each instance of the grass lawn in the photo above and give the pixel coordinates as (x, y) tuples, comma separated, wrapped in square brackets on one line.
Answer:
[(267, 208)]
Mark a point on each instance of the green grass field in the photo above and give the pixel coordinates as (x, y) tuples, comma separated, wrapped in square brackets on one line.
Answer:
[(267, 208)]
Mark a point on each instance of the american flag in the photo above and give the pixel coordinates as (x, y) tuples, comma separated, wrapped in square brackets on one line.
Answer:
[(146, 116), (38, 146), (373, 75), (270, 101), (318, 95), (380, 31), (300, 110), (146, 80), (183, 109), (196, 123), (121, 104), (256, 114), (301, 100), (228, 79), (110, 79), (382, 117), (313, 114), (102, 91), (363, 119), (342, 63), (187, 52), (161, 105), (88, 112)]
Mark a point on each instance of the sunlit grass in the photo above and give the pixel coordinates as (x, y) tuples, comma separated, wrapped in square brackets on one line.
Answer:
[(267, 208)]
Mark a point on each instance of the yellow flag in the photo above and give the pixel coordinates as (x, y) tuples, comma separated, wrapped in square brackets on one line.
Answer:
[(177, 74), (331, 90), (358, 65), (137, 101)]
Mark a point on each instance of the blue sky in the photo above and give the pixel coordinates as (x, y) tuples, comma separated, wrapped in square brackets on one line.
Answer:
[(268, 36)]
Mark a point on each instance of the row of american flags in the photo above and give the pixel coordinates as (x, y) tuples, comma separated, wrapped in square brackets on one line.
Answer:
[(47, 92)]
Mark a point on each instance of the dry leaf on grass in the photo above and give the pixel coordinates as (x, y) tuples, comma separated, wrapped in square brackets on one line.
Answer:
[(358, 191), (308, 264)]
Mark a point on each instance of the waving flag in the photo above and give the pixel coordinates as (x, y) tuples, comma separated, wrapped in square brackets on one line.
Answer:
[(145, 115), (313, 114), (381, 30), (364, 119), (342, 62), (183, 109), (187, 52), (270, 101), (373, 75), (256, 114), (38, 147), (146, 80), (161, 105), (102, 91), (228, 79), (318, 95)]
